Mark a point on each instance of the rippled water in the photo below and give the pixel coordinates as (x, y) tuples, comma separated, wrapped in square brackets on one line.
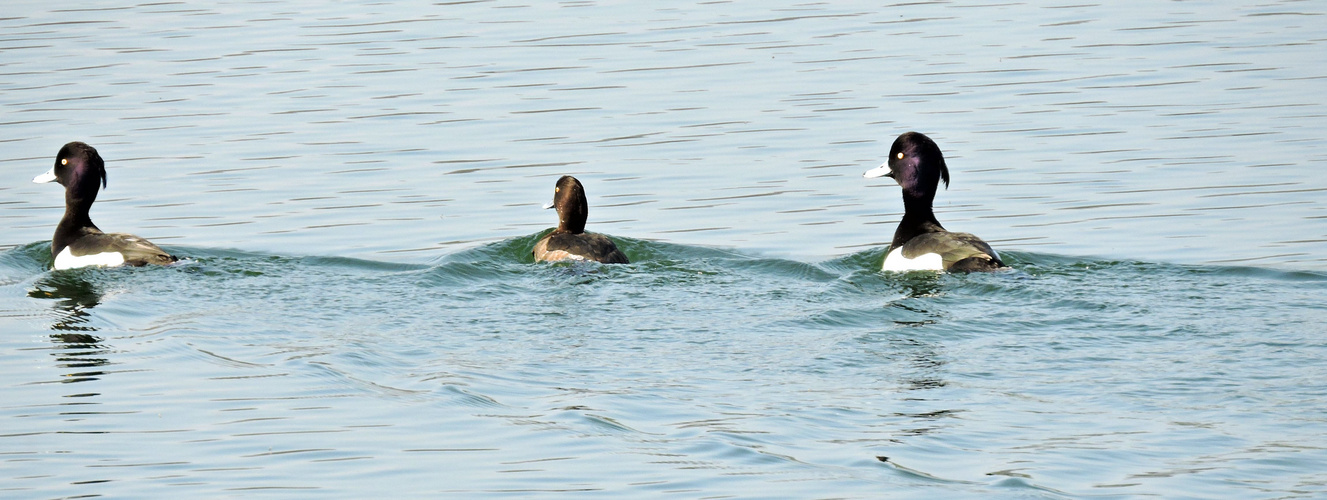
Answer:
[(693, 372), (357, 187)]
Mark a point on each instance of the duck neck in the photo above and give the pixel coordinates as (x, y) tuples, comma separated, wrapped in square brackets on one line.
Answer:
[(76, 213), (572, 220), (918, 218), (74, 222)]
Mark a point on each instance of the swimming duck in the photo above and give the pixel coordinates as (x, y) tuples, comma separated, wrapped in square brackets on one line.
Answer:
[(920, 242), (569, 240), (77, 241)]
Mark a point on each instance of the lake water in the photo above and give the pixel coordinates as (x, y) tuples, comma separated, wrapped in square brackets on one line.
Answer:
[(357, 186)]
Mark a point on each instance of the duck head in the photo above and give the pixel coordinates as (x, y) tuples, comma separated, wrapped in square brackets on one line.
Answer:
[(569, 200), (79, 169), (915, 162)]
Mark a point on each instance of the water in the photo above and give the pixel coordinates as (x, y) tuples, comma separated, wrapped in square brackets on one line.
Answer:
[(357, 187)]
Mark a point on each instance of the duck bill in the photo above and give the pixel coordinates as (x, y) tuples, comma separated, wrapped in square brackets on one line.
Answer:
[(549, 205), (880, 171), (49, 176)]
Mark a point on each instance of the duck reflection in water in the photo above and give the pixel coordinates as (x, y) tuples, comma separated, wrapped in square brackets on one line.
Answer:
[(917, 285), (924, 360), (76, 346)]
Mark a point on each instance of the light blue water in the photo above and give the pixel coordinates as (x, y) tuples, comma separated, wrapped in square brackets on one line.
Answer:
[(357, 187)]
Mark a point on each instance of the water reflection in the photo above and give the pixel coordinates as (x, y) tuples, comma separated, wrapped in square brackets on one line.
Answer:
[(74, 296), (924, 364), (75, 344), (921, 285)]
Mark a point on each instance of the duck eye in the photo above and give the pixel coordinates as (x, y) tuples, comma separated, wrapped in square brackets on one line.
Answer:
[(900, 155), (557, 190), (64, 161)]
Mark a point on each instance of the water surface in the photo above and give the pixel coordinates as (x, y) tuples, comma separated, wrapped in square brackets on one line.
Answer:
[(691, 372), (357, 186)]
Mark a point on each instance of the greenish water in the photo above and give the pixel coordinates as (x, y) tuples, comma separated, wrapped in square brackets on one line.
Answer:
[(356, 187), (693, 372)]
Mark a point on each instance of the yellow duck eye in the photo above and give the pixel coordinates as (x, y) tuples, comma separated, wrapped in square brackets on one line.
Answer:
[(557, 190), (900, 155), (64, 161)]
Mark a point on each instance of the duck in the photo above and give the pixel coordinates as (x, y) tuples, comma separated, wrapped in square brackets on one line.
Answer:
[(920, 242), (77, 241), (570, 241)]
